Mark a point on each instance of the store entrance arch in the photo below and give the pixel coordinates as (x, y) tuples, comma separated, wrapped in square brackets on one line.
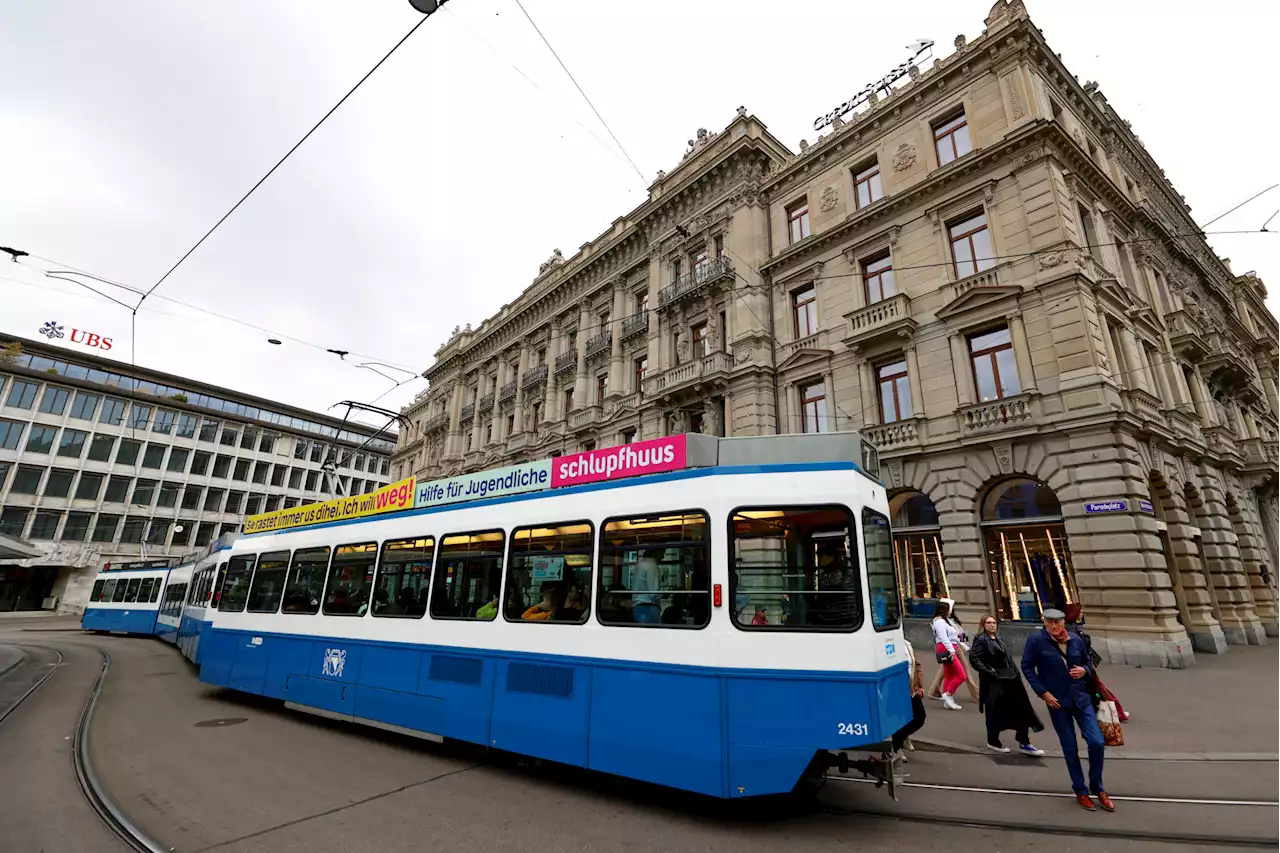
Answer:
[(1028, 557)]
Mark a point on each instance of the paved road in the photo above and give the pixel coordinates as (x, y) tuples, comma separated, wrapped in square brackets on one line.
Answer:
[(204, 769)]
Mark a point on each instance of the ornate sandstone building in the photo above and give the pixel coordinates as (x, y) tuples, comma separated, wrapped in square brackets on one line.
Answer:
[(985, 271)]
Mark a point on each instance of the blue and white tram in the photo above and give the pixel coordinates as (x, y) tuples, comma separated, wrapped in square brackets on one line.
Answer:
[(175, 592), (125, 600), (590, 625), (205, 574)]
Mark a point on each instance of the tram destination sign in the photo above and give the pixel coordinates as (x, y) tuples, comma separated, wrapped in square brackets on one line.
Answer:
[(882, 85), (1106, 506), (512, 480)]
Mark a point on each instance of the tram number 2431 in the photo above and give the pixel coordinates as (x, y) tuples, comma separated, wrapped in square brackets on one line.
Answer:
[(853, 728)]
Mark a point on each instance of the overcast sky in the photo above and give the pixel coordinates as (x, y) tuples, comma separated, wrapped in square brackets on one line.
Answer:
[(431, 197)]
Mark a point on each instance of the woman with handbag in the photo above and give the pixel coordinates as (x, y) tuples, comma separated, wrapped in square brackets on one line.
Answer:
[(1075, 613), (946, 644), (1001, 696), (962, 652)]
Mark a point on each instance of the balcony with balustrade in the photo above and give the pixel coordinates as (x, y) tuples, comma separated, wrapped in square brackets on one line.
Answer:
[(1185, 337), (507, 392), (566, 361), (903, 435), (533, 377), (1020, 411), (468, 413), (436, 423), (716, 366), (635, 325), (887, 318), (630, 401), (587, 416), (485, 404), (599, 345), (695, 281), (1143, 405)]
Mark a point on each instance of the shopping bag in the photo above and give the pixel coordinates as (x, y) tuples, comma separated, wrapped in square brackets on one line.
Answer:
[(1109, 723)]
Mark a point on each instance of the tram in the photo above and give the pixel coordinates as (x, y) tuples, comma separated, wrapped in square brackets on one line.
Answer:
[(170, 613), (125, 600), (195, 622), (714, 615)]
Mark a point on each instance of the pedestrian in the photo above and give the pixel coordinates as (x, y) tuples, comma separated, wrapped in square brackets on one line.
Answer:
[(1075, 615), (947, 645), (935, 686), (917, 705), (1057, 666), (1001, 696)]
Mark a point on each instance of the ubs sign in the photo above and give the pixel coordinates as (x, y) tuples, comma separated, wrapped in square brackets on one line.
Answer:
[(882, 84), (52, 330)]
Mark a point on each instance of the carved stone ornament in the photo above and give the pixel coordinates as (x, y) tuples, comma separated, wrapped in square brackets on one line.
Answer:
[(710, 417), (1004, 458), (1047, 260), (905, 157), (556, 259), (742, 112), (960, 42), (829, 198), (713, 327), (895, 474), (913, 72), (677, 422)]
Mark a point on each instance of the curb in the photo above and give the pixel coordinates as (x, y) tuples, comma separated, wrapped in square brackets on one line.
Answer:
[(13, 663), (1113, 753)]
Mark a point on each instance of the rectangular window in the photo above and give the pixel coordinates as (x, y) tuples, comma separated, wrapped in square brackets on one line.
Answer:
[(241, 471), (164, 422), (96, 595), (77, 526), (951, 139), (213, 500), (350, 580), (602, 388), (306, 580), (22, 394), (794, 568), (568, 399), (54, 401), (221, 466), (295, 478), (118, 489), (200, 463), (813, 408), (234, 502), (153, 456), (144, 492), (300, 449), (882, 579), (895, 392), (128, 452), (10, 434), (655, 571), (12, 520), (186, 425), (204, 535), (158, 532), (253, 506), (701, 340), (178, 460), (995, 373), (101, 446), (249, 438), (358, 462), (404, 576), (804, 309), (139, 416), (1090, 232), (45, 525), (317, 453), (208, 430), (26, 480), (268, 442), (168, 496), (971, 245), (628, 436), (85, 406), (89, 486), (40, 438), (313, 478), (104, 529), (131, 590), (468, 572), (877, 279), (640, 367), (122, 586), (131, 533), (549, 579), (866, 184), (230, 435), (72, 443), (112, 412), (59, 483), (273, 501), (268, 582), (4, 472), (191, 496), (277, 475), (798, 221), (235, 588)]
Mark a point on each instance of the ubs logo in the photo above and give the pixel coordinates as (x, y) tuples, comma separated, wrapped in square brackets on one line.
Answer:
[(334, 661), (52, 330)]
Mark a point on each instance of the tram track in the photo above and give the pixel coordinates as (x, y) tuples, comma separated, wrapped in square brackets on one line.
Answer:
[(1070, 829), (50, 669)]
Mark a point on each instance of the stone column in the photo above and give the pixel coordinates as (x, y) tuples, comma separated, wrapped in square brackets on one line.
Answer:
[(913, 378), (792, 414), (1113, 358), (1204, 408), (495, 425), (655, 316), (1253, 554), (867, 391), (551, 411), (1240, 622), (1021, 351), (1167, 395), (1273, 397), (474, 443), (518, 426), (454, 441), (1192, 580), (585, 333), (1137, 377), (964, 375), (616, 372)]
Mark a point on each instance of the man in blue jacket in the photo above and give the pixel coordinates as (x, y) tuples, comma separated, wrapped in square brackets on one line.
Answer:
[(1056, 664)]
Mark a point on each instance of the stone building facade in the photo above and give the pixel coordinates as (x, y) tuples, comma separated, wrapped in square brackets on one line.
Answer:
[(983, 269)]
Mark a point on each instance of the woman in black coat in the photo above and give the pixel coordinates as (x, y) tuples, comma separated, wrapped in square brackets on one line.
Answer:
[(1001, 695)]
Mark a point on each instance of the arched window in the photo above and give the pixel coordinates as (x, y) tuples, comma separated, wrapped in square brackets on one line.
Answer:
[(917, 551), (1027, 552)]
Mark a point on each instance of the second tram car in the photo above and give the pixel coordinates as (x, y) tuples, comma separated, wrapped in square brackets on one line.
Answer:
[(125, 600)]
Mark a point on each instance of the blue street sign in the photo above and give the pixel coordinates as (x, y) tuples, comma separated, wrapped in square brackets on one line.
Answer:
[(1146, 506), (1106, 506)]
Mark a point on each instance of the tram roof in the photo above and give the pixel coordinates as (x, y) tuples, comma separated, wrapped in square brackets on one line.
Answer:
[(610, 464)]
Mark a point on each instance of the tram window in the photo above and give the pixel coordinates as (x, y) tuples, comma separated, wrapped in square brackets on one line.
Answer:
[(795, 568), (306, 581), (109, 590), (96, 595), (882, 580), (144, 591), (131, 593), (549, 579), (155, 590), (468, 573), (404, 576), (655, 571), (235, 589), (268, 582), (216, 589), (122, 586), (350, 580)]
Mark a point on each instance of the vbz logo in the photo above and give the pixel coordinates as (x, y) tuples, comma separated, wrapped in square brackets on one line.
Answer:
[(334, 661), (889, 649)]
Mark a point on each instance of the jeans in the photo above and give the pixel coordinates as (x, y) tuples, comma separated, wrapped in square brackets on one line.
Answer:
[(917, 721), (1064, 722), (646, 613)]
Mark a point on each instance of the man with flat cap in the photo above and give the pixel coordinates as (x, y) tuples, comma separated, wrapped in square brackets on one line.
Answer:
[(1057, 666)]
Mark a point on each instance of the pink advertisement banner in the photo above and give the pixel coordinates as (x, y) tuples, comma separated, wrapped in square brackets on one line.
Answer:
[(616, 463)]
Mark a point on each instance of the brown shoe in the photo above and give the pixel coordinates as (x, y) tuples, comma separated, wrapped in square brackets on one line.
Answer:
[(1086, 803), (1105, 801)]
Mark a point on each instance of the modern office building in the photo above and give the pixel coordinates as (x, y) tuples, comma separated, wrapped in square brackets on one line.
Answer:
[(104, 463), (984, 269)]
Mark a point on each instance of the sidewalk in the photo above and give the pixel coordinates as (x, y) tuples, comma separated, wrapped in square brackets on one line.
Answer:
[(1224, 708)]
